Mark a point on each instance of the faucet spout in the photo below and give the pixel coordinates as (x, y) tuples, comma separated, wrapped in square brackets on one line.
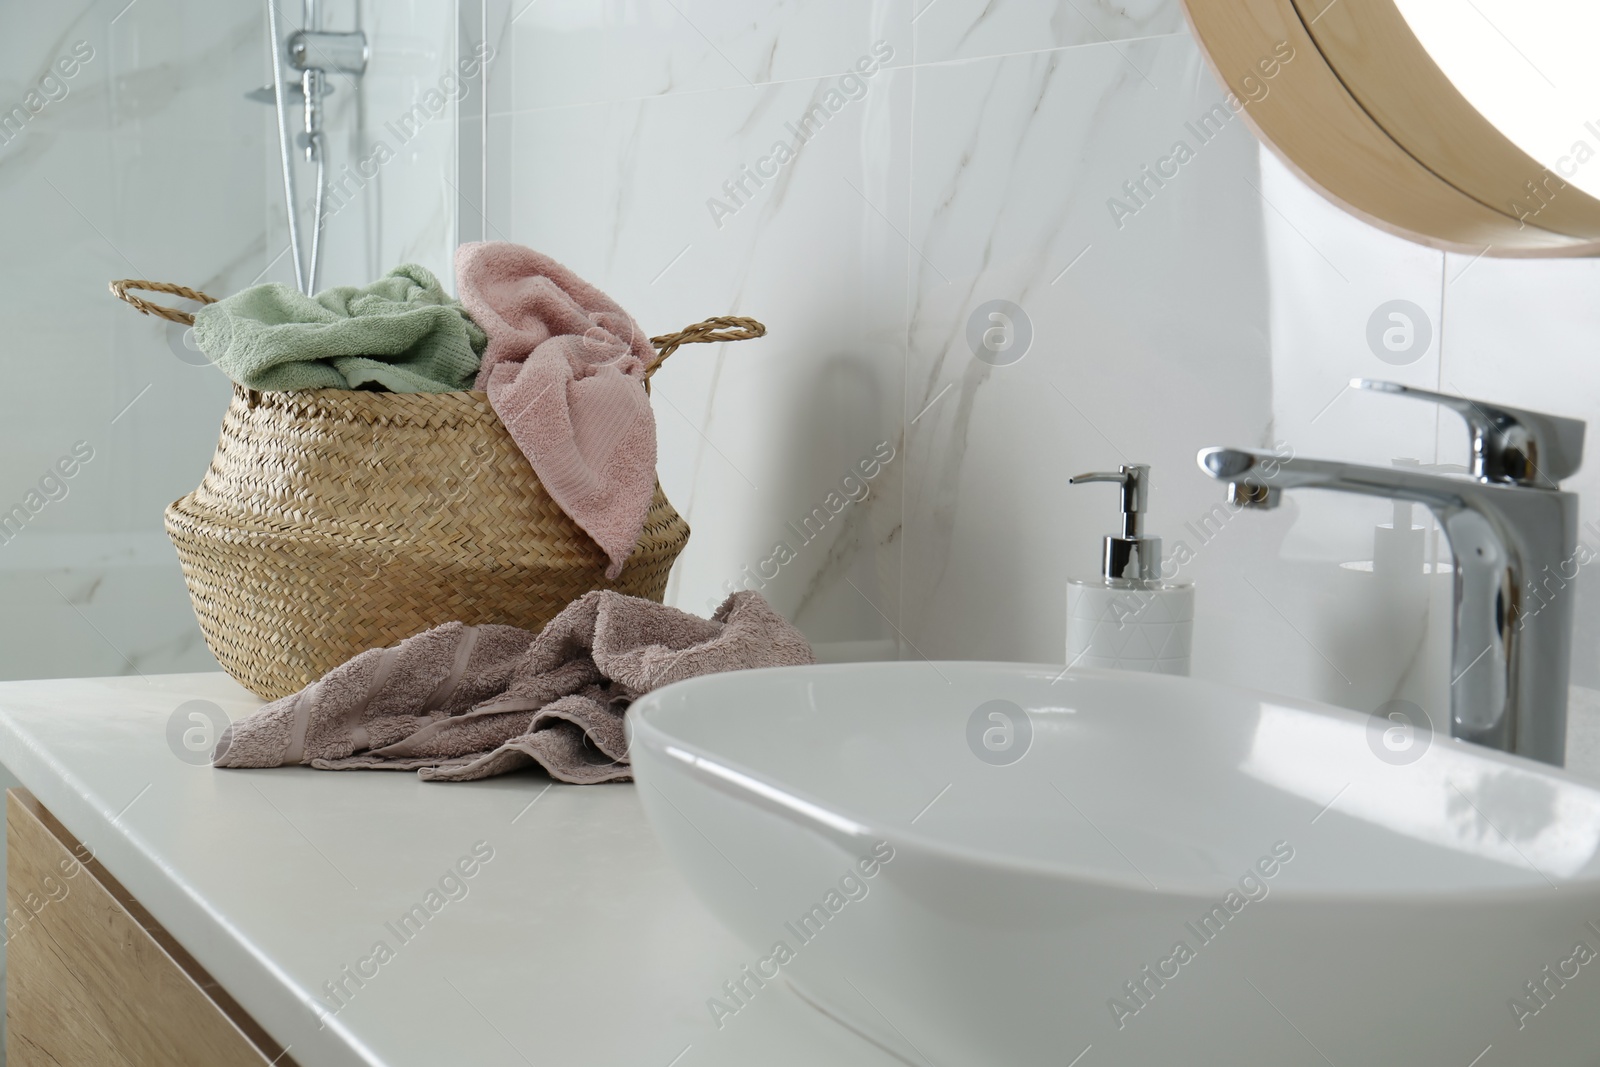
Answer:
[(1515, 549), (1257, 471)]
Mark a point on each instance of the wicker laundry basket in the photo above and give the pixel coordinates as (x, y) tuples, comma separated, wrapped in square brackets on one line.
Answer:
[(332, 521)]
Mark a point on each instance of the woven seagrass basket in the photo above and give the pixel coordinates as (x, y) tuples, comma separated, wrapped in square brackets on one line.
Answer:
[(332, 521)]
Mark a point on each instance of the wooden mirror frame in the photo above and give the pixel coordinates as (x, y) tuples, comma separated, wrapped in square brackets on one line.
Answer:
[(1366, 117)]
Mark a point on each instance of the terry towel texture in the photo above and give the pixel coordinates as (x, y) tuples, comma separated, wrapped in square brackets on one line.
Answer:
[(461, 702), (403, 333), (564, 370)]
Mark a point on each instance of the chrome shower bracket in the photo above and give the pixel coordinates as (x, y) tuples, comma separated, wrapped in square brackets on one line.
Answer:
[(315, 53), (336, 53)]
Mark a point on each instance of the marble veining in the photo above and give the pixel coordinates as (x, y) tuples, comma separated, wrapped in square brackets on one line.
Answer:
[(587, 51), (670, 220), (974, 29), (1013, 206)]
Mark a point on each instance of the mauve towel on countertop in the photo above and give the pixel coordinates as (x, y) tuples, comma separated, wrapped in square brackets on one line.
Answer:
[(461, 702), (564, 370)]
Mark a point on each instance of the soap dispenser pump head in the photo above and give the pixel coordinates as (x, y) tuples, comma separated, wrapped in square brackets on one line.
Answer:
[(1133, 556)]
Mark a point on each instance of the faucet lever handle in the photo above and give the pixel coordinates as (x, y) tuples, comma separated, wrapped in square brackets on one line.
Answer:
[(1509, 445)]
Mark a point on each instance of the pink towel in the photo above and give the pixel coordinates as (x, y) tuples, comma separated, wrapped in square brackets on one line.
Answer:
[(458, 702), (565, 372)]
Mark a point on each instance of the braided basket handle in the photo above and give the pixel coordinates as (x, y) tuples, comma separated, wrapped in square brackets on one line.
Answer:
[(119, 289), (722, 328)]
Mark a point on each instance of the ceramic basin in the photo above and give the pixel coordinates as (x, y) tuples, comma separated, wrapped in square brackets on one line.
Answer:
[(995, 864)]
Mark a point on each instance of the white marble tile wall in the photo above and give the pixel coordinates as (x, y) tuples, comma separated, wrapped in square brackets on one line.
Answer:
[(1225, 304), (1331, 625), (617, 134), (149, 161), (1525, 333), (1514, 331), (1133, 320), (984, 29)]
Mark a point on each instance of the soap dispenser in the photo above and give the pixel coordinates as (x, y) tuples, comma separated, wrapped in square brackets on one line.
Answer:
[(1129, 618)]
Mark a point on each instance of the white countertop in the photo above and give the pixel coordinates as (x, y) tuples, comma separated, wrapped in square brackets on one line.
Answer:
[(576, 944)]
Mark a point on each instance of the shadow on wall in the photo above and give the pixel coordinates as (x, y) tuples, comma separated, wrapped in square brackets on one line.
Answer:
[(830, 560)]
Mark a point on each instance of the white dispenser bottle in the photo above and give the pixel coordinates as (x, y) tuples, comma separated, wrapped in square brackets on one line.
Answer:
[(1129, 618)]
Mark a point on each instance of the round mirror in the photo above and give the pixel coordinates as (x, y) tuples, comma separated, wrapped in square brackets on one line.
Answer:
[(1468, 125)]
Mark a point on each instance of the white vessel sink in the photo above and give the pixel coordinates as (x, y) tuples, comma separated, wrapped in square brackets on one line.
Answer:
[(1172, 871)]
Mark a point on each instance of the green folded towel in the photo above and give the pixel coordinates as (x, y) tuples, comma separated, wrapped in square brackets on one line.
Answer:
[(403, 333)]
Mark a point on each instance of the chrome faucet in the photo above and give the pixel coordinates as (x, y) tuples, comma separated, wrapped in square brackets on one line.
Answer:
[(1514, 534)]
